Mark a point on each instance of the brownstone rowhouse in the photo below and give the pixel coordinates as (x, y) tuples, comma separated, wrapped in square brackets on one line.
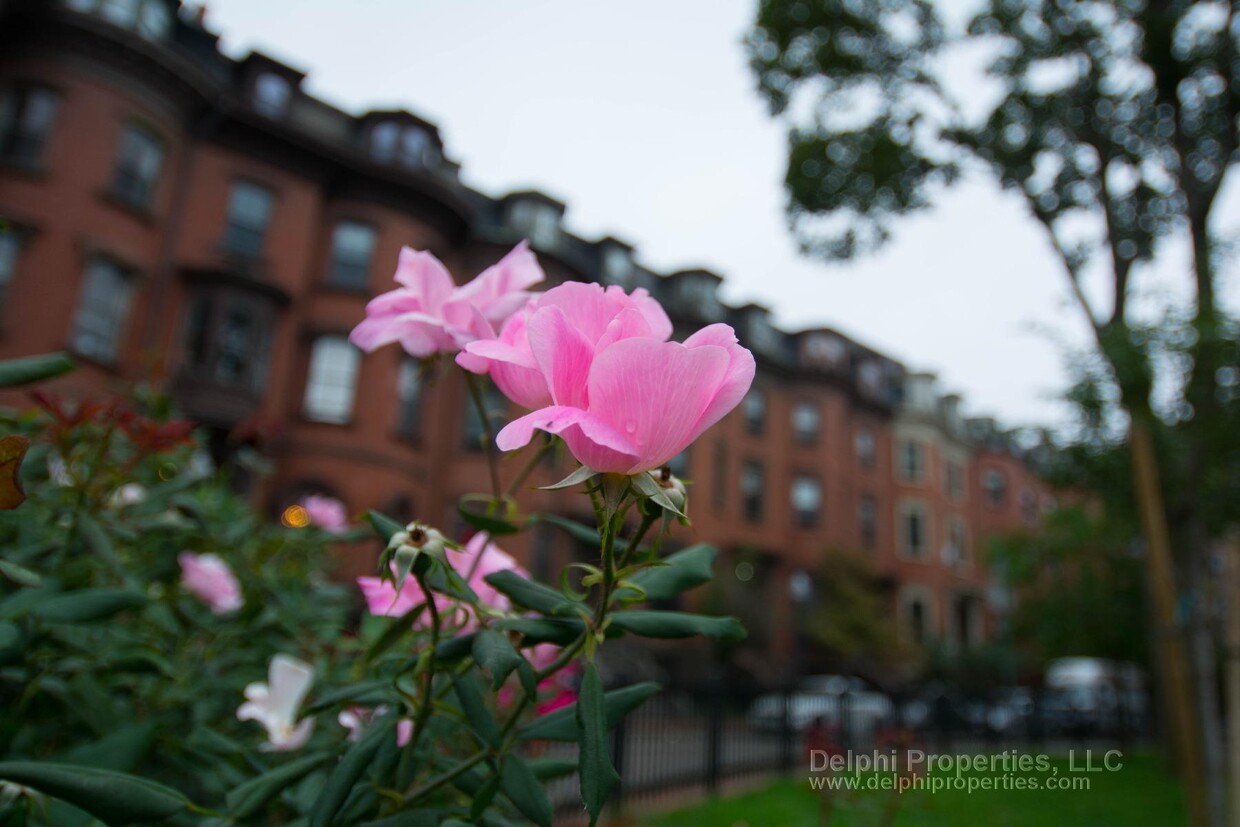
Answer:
[(175, 216)]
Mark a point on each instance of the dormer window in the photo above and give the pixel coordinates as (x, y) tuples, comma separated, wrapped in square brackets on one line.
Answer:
[(761, 334), (272, 93), (618, 266), (539, 221), (409, 145), (871, 376), (824, 350), (701, 293), (150, 18), (414, 148)]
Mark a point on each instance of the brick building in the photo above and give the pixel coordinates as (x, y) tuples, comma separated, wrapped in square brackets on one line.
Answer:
[(170, 214)]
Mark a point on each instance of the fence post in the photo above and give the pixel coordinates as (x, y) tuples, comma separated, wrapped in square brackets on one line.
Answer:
[(714, 734), (846, 722), (787, 733)]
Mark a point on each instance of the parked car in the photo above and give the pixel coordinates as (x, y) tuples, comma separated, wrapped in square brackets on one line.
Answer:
[(835, 699), (1087, 696)]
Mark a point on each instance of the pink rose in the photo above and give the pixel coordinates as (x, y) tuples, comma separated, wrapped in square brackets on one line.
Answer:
[(629, 404), (209, 579), (520, 362), (480, 558), (328, 513), (428, 314)]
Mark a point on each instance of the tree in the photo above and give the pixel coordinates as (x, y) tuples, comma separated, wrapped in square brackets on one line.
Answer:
[(1116, 128)]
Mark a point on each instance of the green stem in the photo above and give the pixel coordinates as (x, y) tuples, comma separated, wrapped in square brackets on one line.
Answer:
[(636, 539), (447, 776), (529, 468), (424, 707), (474, 383)]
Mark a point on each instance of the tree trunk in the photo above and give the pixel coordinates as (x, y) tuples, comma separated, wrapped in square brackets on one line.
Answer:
[(1184, 722)]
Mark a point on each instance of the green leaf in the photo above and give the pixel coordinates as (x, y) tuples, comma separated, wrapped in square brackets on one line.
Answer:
[(598, 776), (560, 631), (494, 653), (112, 797), (366, 694), (19, 575), (385, 527), (10, 636), (250, 797), (681, 571), (469, 693), (580, 532), (122, 750), (86, 605), (525, 791), (579, 476), (491, 524), (30, 369), (412, 818), (349, 771), (531, 595), (546, 769), (482, 798), (677, 624), (453, 648), (561, 725), (398, 627)]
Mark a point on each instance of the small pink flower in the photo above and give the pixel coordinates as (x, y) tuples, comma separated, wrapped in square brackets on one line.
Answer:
[(520, 361), (328, 513), (428, 314), (479, 559), (404, 731), (209, 578), (634, 403)]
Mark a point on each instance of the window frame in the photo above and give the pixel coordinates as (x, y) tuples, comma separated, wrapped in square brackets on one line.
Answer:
[(17, 146), (802, 407), (753, 504), (801, 518), (925, 550)]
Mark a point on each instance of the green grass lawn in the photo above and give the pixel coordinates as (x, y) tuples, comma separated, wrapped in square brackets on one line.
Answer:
[(1139, 793)]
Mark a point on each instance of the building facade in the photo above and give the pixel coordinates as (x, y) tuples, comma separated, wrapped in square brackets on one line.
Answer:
[(171, 215)]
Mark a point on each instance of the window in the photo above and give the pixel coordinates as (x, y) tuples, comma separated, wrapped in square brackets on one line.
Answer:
[(10, 246), (806, 500), (26, 116), (272, 93), (954, 481), (914, 530), (752, 487), (957, 551), (408, 397), (103, 308), (995, 486), (151, 18), (353, 243), (917, 615), (383, 138), (755, 411), (227, 339), (912, 461), (865, 448), (249, 211), (1029, 506), (867, 521), (414, 147), (806, 420), (137, 167), (331, 381), (617, 266)]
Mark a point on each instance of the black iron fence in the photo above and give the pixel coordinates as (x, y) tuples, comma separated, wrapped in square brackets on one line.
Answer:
[(701, 738)]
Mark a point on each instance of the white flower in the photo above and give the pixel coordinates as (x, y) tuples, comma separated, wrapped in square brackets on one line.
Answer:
[(129, 494), (275, 704)]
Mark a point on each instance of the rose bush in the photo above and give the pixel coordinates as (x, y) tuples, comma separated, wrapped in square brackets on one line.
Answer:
[(191, 647)]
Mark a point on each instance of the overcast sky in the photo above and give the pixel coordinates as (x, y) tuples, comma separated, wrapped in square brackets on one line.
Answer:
[(642, 117)]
